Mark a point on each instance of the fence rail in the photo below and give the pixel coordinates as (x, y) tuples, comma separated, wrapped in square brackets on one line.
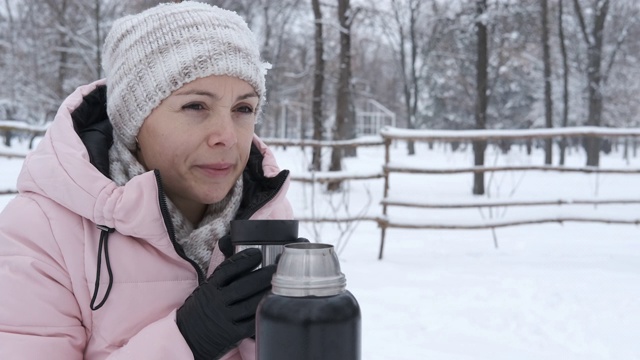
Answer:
[(502, 203), (412, 169), (511, 134)]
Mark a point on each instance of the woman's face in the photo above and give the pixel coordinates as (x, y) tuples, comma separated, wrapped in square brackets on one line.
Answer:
[(199, 138)]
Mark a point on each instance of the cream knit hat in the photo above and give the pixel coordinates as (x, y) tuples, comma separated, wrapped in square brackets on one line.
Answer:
[(149, 55)]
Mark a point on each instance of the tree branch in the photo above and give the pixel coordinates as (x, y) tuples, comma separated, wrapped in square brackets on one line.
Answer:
[(583, 27)]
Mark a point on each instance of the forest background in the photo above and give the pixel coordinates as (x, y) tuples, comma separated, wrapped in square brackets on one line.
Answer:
[(436, 64)]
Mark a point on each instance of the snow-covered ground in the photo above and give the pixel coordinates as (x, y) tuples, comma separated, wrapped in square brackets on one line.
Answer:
[(547, 291)]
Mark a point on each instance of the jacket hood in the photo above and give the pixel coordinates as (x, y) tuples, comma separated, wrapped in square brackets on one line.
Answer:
[(70, 166), (60, 169)]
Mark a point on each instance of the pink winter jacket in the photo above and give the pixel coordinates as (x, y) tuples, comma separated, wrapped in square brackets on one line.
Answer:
[(49, 251)]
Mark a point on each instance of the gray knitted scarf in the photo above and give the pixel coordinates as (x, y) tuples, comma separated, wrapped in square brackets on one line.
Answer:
[(199, 240)]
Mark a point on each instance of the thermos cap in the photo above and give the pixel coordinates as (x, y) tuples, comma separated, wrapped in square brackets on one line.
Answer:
[(263, 232), (308, 269)]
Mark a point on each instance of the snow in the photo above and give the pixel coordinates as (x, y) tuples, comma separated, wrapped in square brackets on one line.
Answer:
[(547, 291)]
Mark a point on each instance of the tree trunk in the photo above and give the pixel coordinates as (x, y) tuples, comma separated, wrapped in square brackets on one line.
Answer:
[(97, 18), (64, 45), (548, 102), (481, 94), (7, 138), (408, 66), (414, 76), (12, 66), (342, 127), (565, 82), (594, 42), (318, 84)]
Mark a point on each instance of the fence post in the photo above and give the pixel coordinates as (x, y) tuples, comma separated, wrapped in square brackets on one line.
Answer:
[(383, 224)]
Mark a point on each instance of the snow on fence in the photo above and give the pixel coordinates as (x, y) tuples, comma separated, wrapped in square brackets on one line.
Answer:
[(394, 134)]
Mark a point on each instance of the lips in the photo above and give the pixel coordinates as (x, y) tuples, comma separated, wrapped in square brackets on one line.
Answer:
[(216, 170)]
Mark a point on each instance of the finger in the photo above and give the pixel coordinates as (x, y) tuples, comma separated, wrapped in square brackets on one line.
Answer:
[(226, 246), (247, 286), (246, 310), (246, 327), (236, 266)]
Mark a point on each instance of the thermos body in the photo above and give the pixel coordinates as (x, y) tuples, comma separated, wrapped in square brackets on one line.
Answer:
[(309, 314), (310, 328)]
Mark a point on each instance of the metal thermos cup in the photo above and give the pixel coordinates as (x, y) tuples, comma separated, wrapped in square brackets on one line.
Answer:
[(270, 236), (308, 314)]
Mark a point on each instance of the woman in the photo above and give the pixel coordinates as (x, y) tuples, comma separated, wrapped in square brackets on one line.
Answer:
[(110, 249)]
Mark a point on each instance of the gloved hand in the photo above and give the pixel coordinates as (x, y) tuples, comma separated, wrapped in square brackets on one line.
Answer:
[(226, 246), (221, 312)]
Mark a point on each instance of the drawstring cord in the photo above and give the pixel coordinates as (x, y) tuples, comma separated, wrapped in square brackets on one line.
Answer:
[(104, 242)]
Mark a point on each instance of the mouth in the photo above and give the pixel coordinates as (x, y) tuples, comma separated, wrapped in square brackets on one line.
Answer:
[(216, 170)]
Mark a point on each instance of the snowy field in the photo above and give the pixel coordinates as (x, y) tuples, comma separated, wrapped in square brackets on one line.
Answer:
[(547, 291)]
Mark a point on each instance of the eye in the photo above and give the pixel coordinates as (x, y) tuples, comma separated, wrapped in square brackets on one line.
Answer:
[(194, 107), (244, 109)]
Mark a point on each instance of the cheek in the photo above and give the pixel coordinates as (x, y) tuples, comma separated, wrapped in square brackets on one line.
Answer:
[(161, 149), (245, 138), (245, 133)]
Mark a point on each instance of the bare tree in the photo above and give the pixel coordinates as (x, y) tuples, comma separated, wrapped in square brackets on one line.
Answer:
[(565, 81), (594, 39), (344, 127), (318, 86), (482, 64), (408, 66), (12, 58), (548, 101)]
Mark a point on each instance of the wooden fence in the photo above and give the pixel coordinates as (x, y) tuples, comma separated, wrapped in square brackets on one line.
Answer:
[(9, 128), (389, 135)]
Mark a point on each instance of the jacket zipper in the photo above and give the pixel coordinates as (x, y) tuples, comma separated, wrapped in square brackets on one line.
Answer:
[(164, 209)]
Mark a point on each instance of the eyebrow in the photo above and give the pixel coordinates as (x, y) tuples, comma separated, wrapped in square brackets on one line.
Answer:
[(213, 95)]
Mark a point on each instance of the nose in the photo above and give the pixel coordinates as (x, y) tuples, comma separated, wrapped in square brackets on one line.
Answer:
[(222, 131)]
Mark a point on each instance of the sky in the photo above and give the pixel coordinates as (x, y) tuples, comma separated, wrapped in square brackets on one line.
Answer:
[(548, 291)]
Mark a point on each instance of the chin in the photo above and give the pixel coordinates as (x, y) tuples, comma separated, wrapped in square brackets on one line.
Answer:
[(214, 198)]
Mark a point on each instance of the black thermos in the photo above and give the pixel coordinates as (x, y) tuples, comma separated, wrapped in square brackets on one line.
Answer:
[(309, 314)]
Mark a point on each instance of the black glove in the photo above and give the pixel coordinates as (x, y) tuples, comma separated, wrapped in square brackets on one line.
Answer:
[(226, 246), (221, 312)]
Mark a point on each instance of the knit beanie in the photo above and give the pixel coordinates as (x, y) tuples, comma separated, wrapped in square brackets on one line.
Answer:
[(149, 55)]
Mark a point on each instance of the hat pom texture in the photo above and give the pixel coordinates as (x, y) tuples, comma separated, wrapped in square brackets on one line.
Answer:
[(149, 55)]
